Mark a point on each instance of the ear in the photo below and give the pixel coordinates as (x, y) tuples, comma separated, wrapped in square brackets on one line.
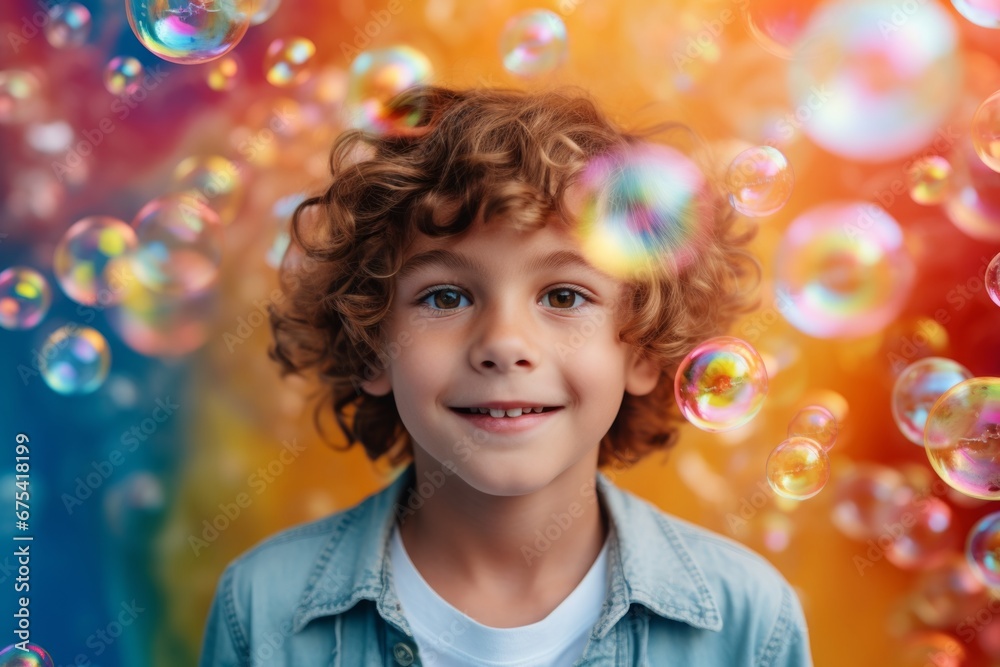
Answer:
[(380, 385), (642, 374)]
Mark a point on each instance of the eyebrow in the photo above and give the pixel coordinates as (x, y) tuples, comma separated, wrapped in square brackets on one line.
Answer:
[(452, 260)]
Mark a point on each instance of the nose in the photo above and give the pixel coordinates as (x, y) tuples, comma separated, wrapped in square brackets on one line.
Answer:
[(505, 338)]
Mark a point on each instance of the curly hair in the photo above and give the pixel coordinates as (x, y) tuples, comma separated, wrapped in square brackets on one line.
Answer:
[(475, 154)]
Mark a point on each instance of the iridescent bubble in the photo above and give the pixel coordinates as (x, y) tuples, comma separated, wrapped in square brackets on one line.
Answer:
[(944, 595), (721, 384), (921, 534), (644, 211), (90, 258), (288, 61), (189, 31), (376, 77), (986, 130), (68, 26), (918, 387), (872, 93), (123, 75), (816, 423), (759, 181), (265, 10), (776, 25), (843, 270), (973, 204), (180, 244), (929, 179), (134, 506), (982, 550), (962, 437), (984, 13), (533, 43), (20, 93), (34, 656), (867, 497), (214, 180), (992, 279), (74, 360), (24, 298), (798, 468), (223, 74)]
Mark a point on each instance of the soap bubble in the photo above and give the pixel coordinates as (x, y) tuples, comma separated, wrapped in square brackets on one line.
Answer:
[(376, 77), (759, 181), (90, 258), (867, 497), (74, 360), (984, 13), (982, 550), (134, 507), (816, 423), (962, 437), (916, 390), (929, 179), (721, 384), (180, 244), (35, 656), (992, 279), (642, 211), (921, 535), (24, 298), (68, 25), (288, 61), (875, 94), (946, 594), (986, 130), (843, 270), (123, 75), (533, 43), (223, 74), (973, 204), (265, 10), (776, 25), (214, 180), (189, 31), (798, 468), (20, 96)]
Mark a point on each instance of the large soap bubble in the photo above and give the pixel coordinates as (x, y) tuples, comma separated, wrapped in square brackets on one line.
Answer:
[(721, 384), (190, 31), (916, 390)]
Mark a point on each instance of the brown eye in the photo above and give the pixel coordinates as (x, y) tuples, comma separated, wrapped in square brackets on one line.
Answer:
[(445, 298), (565, 298)]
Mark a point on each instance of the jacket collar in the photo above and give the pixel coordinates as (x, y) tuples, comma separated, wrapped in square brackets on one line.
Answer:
[(650, 562)]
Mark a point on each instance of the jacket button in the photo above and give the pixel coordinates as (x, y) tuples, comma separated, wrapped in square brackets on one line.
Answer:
[(403, 654)]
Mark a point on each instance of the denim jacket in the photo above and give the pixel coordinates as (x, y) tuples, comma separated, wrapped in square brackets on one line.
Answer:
[(322, 594)]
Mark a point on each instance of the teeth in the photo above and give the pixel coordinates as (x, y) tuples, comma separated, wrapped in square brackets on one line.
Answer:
[(512, 412)]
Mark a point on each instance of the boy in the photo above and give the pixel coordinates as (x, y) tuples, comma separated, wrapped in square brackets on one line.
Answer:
[(443, 295)]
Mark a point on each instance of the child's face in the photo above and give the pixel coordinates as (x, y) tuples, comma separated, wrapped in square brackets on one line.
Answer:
[(505, 331)]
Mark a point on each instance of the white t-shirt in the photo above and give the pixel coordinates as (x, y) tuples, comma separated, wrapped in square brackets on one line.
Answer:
[(446, 637)]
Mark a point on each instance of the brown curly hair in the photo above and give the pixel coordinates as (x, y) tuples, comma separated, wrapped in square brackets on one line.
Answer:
[(477, 154)]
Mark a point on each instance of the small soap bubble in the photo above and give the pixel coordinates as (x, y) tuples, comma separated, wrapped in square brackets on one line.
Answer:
[(986, 131), (16, 656), (984, 13), (24, 298), (973, 206), (189, 31), (123, 75), (866, 498), (776, 25), (721, 384), (816, 423), (533, 43), (214, 180), (180, 244), (929, 179), (993, 279), (798, 468), (288, 61), (759, 181), (376, 77), (74, 360), (68, 26), (90, 258), (265, 10), (20, 93), (918, 387), (223, 74), (921, 535), (944, 595), (962, 437), (642, 210), (982, 550)]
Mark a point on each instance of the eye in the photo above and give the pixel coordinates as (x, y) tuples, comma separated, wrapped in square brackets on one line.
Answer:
[(566, 298), (450, 298)]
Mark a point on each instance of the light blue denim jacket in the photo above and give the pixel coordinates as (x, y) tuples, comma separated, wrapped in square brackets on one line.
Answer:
[(322, 594)]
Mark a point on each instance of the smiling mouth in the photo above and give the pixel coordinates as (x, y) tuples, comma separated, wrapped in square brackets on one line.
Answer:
[(503, 413)]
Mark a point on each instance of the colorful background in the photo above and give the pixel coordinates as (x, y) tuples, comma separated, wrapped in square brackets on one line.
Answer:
[(128, 478)]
